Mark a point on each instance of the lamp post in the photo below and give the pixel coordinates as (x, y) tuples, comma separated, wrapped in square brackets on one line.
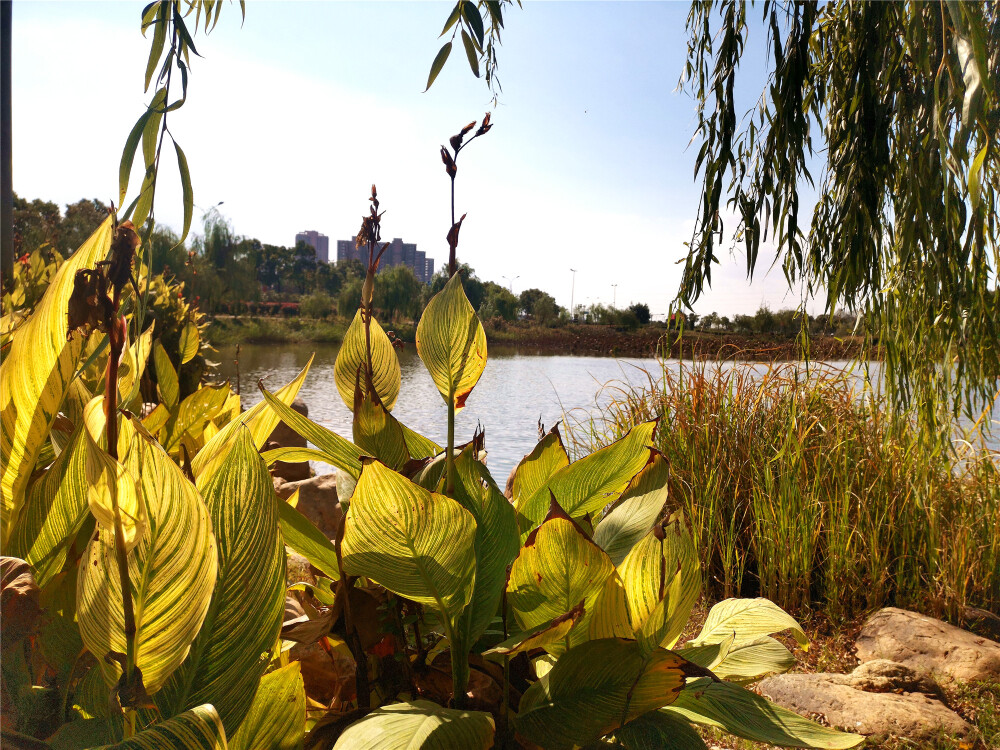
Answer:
[(511, 281), (614, 296), (572, 292)]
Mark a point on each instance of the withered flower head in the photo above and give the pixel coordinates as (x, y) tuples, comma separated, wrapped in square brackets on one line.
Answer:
[(123, 247), (449, 163), (456, 140), (374, 199), (89, 306), (485, 127)]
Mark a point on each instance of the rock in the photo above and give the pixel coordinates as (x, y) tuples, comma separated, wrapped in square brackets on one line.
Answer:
[(832, 699), (929, 646), (284, 436), (884, 676), (317, 501)]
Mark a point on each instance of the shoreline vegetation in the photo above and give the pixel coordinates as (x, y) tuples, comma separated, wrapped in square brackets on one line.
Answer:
[(577, 339)]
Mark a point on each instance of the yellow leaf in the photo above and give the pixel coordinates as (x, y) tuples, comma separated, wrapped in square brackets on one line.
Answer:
[(452, 343), (354, 354), (36, 373), (110, 486)]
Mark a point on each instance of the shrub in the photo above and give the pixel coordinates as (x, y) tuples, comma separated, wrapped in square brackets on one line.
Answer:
[(316, 305)]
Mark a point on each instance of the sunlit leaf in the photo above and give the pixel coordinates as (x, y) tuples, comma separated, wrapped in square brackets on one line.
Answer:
[(496, 542), (639, 507), (558, 568), (545, 459), (419, 724), (738, 711), (542, 635), (36, 373), (588, 485), (261, 420), (190, 342), (353, 355), (417, 544), (166, 377), (109, 486), (194, 414), (172, 573), (662, 579), (596, 687), (748, 618), (660, 730), (187, 195), (197, 729), (302, 536), (452, 343), (377, 433), (231, 652), (132, 366)]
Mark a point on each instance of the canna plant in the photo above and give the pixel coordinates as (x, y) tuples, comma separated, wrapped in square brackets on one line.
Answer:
[(145, 585)]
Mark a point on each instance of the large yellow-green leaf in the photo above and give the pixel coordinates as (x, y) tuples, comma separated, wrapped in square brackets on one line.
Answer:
[(172, 572), (190, 342), (336, 450), (587, 485), (36, 373), (733, 709), (496, 542), (277, 717), (534, 470), (558, 568), (752, 659), (608, 615), (596, 687), (194, 414), (638, 508), (261, 420), (111, 485), (231, 652), (452, 343), (540, 636), (376, 431), (166, 377), (55, 512), (662, 579), (353, 355), (133, 365), (197, 729), (748, 619), (419, 724), (416, 543)]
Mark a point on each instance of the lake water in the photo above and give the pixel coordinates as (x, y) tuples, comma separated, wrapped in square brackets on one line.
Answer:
[(514, 393)]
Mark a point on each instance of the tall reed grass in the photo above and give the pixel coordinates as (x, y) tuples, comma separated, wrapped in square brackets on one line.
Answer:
[(807, 491)]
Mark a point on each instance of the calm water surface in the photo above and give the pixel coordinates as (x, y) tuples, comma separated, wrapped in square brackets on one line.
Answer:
[(514, 393)]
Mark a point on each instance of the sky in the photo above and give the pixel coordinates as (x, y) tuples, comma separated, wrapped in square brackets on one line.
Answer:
[(293, 114)]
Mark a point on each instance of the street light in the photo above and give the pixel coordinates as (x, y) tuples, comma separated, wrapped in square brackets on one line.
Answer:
[(614, 296), (572, 291), (510, 288)]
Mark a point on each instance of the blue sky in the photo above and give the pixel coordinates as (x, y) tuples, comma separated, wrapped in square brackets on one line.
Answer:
[(292, 116)]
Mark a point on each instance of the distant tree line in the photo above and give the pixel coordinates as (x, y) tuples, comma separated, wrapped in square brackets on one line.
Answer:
[(230, 274)]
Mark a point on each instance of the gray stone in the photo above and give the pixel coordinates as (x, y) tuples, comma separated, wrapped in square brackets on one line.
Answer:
[(884, 676), (317, 501), (831, 699), (928, 646), (284, 436)]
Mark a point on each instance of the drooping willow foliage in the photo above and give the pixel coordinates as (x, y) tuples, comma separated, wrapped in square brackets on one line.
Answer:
[(898, 104)]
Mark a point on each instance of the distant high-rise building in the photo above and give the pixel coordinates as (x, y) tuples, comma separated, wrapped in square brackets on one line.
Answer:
[(320, 243), (398, 253)]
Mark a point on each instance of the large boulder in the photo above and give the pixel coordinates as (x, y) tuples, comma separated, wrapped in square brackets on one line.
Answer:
[(843, 701), (284, 436), (318, 501), (929, 646)]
